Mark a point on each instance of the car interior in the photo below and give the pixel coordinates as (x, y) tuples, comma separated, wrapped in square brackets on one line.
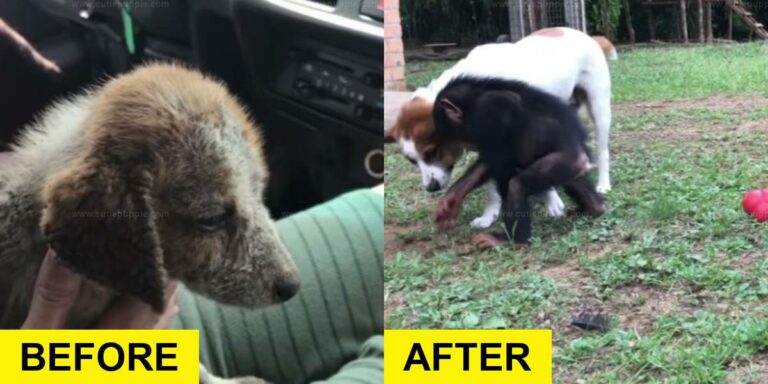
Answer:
[(309, 71)]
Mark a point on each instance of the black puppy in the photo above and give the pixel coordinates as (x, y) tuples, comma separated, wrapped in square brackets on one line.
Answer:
[(528, 141)]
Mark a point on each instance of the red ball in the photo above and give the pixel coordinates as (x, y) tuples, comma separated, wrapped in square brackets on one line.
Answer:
[(761, 211), (752, 199)]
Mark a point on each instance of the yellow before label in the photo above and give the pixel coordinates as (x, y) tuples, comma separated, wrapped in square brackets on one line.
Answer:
[(468, 356), (99, 356)]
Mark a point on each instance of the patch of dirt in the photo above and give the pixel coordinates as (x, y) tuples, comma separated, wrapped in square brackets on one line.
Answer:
[(391, 302), (683, 131), (754, 371), (638, 306), (586, 298), (753, 126), (695, 129), (738, 103), (747, 261), (690, 131), (392, 244), (599, 251), (567, 272)]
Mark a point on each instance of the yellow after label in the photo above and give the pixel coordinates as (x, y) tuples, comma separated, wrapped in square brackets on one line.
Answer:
[(468, 356), (99, 356)]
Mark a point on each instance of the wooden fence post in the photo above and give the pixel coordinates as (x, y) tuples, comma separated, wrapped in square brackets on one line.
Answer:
[(730, 22), (683, 21), (628, 17), (700, 17), (708, 19), (516, 22), (604, 13)]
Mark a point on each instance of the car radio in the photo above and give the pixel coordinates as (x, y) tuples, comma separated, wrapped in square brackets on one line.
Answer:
[(343, 89)]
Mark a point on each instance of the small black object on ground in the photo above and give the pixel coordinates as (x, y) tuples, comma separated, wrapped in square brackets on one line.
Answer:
[(590, 322)]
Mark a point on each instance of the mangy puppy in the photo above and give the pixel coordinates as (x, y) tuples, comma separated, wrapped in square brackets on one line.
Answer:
[(528, 141), (157, 175)]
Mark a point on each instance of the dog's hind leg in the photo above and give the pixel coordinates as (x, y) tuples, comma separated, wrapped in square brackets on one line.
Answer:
[(597, 86), (600, 110), (492, 207)]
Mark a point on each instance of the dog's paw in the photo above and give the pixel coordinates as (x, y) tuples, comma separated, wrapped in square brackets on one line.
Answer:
[(482, 222), (555, 207), (603, 187)]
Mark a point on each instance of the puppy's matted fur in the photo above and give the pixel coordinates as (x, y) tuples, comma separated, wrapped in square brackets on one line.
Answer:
[(156, 175)]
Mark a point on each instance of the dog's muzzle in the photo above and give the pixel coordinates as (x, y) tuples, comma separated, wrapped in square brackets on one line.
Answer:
[(433, 186)]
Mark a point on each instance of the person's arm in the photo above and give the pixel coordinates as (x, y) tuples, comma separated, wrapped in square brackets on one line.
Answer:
[(323, 332), (367, 368)]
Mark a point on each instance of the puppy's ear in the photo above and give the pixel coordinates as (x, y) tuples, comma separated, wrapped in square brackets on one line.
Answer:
[(99, 219), (453, 112)]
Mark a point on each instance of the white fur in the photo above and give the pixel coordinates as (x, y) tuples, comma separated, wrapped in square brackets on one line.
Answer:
[(428, 171), (556, 65), (434, 172), (49, 143), (409, 149), (553, 204), (492, 207)]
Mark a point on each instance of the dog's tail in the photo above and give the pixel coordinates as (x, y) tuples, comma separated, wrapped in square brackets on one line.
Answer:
[(608, 49)]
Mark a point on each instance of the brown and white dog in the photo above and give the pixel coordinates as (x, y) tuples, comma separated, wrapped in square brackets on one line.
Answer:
[(156, 176), (561, 61)]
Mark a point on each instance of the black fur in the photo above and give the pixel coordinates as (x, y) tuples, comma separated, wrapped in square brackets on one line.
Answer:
[(528, 139)]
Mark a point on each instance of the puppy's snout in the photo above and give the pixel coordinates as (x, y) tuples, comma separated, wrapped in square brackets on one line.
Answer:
[(286, 289), (433, 185)]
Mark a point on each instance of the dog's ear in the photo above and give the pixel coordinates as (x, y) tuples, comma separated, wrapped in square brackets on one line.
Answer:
[(453, 112), (389, 135), (99, 219)]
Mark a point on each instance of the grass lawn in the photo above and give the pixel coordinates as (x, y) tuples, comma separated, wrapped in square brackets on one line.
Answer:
[(678, 267)]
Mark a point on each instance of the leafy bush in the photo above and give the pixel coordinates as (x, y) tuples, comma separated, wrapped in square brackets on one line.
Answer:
[(465, 22)]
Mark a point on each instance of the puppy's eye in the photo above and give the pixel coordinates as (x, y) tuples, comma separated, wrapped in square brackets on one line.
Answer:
[(412, 161), (212, 223)]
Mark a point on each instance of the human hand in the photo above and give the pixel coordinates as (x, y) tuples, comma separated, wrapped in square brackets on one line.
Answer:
[(56, 290)]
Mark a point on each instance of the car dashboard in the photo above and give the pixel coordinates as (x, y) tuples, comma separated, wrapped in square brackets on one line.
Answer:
[(310, 71)]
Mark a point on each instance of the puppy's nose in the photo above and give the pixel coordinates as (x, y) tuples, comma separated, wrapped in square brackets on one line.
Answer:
[(286, 289), (433, 186)]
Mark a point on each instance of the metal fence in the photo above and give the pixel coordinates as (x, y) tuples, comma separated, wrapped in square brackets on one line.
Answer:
[(526, 16)]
